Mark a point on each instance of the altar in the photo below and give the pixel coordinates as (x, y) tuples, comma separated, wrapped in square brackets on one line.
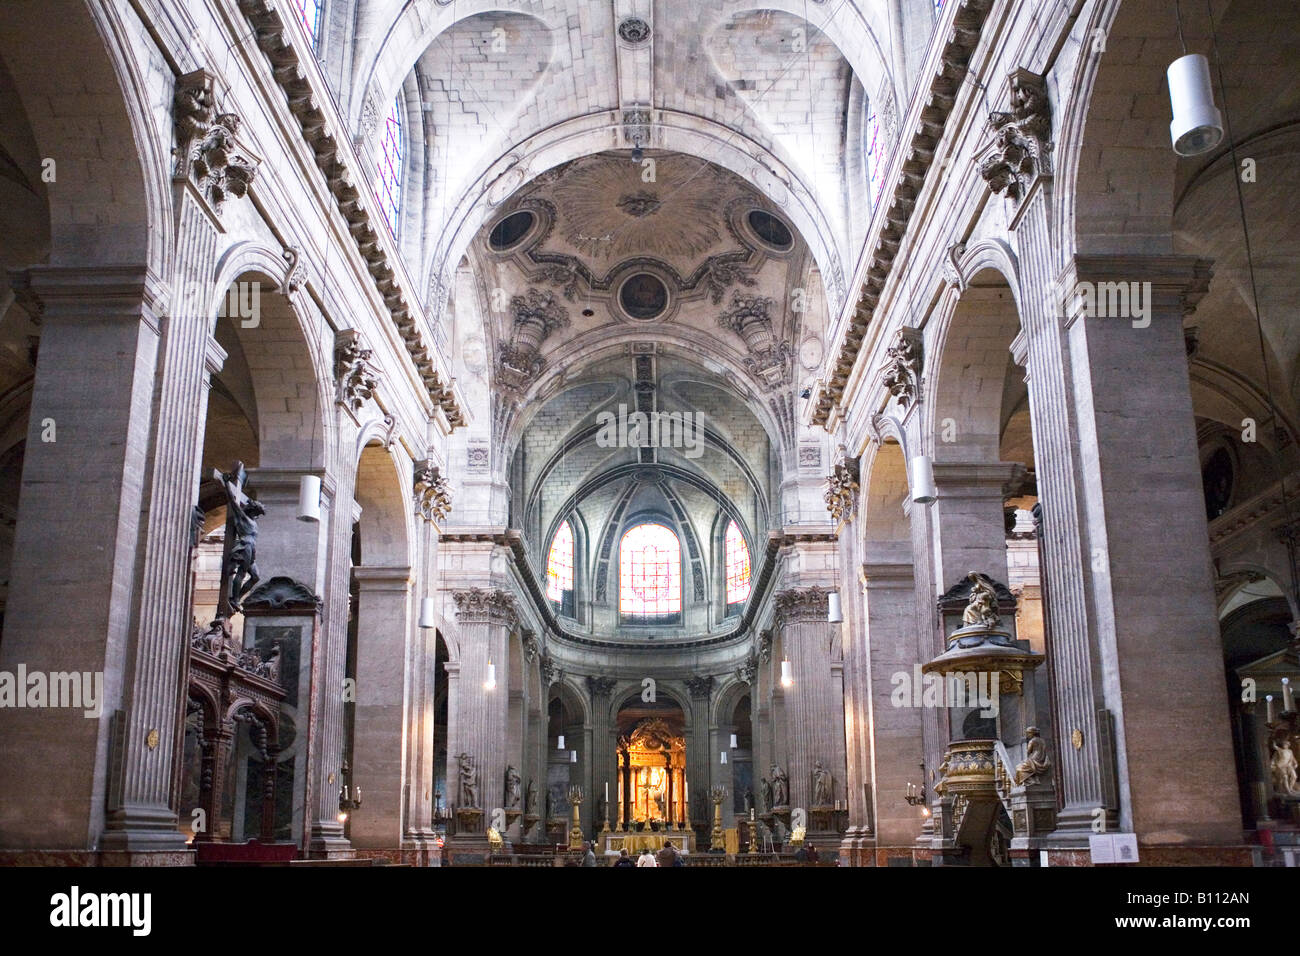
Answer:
[(635, 842)]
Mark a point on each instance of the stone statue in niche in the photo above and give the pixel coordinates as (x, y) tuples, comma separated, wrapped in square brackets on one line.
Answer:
[(822, 785), (1035, 763), (512, 788), (468, 781), (1282, 765), (780, 787), (982, 607), (765, 791), (530, 798)]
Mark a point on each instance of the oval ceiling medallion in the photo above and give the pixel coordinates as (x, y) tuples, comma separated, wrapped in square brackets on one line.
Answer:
[(511, 230), (643, 296), (770, 229), (634, 30)]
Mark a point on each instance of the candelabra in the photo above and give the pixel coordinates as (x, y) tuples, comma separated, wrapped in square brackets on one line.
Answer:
[(753, 831), (916, 795), (717, 841), (349, 796), (575, 830)]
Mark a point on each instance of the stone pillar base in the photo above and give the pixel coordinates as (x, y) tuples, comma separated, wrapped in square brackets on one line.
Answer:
[(146, 858)]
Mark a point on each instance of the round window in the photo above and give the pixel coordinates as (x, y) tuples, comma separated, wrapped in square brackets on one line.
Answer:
[(510, 230), (643, 296), (770, 229)]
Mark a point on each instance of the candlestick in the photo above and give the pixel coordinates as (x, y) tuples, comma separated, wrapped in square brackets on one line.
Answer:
[(1288, 697), (1268, 703)]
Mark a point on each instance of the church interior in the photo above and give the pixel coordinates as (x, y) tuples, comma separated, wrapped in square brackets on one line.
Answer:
[(513, 433)]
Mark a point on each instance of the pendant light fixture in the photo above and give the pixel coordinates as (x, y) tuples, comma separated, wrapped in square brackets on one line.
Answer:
[(427, 617), (309, 498), (1197, 126), (491, 682), (835, 612), (923, 490), (787, 673), (559, 744)]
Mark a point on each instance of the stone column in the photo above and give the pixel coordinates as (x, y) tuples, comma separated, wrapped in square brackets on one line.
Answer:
[(383, 628), (815, 701), (699, 760), (1151, 583), (971, 526), (71, 596), (896, 732), (484, 620)]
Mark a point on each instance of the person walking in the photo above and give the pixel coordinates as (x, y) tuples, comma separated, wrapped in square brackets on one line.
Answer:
[(646, 858), (588, 855)]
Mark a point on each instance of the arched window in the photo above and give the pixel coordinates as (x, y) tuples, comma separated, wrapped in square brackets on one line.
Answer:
[(390, 163), (737, 553), (650, 572), (559, 569), (873, 148), (309, 11)]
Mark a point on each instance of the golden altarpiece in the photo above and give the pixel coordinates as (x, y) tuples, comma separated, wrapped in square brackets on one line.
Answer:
[(653, 795)]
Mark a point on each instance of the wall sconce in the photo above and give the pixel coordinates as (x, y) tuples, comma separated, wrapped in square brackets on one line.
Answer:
[(427, 614), (923, 490), (1197, 126), (835, 611), (787, 673), (491, 682), (309, 498)]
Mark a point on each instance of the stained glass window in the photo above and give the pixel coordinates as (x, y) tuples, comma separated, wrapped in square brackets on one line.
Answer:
[(559, 564), (874, 147), (390, 163), (938, 6), (309, 11), (737, 565), (650, 571)]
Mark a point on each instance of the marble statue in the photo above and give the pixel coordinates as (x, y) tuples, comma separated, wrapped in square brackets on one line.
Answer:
[(512, 788), (468, 781), (765, 790), (982, 607), (1282, 765), (780, 787), (1035, 763), (822, 785), (530, 798)]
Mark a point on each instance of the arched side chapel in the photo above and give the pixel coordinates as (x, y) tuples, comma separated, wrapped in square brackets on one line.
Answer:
[(747, 425)]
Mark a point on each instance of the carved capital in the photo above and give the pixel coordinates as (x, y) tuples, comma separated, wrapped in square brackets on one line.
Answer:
[(748, 671), (432, 493), (601, 686), (1021, 149), (699, 687), (356, 378), (491, 606), (802, 605), (208, 148), (549, 670)]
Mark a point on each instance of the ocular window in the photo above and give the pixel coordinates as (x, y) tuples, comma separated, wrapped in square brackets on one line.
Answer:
[(770, 229), (643, 296), (510, 230)]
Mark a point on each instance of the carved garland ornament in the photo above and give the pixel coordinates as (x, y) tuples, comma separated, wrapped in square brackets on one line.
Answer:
[(902, 372), (208, 149), (432, 494), (750, 317), (1021, 150), (357, 379), (536, 315), (841, 489)]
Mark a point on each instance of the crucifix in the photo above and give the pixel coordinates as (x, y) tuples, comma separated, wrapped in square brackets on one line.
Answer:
[(239, 553)]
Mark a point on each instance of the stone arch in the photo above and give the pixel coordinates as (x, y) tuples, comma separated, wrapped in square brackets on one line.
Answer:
[(115, 177), (387, 521), (673, 689)]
